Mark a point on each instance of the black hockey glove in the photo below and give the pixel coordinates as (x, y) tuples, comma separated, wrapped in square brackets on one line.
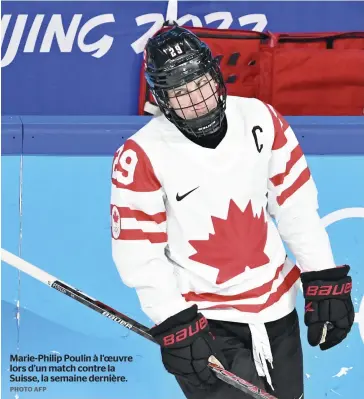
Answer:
[(186, 346), (328, 306)]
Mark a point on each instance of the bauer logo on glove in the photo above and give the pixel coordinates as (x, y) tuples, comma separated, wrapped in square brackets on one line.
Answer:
[(329, 311)]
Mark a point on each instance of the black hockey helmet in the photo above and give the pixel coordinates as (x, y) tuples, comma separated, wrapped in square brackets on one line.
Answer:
[(173, 58)]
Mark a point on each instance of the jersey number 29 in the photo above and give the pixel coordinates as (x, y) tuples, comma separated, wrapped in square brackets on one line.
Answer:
[(124, 166)]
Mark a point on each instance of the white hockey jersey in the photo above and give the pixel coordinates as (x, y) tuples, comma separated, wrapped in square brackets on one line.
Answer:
[(194, 225)]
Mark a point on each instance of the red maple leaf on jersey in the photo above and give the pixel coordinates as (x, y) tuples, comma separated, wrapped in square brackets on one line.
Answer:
[(115, 217), (238, 243)]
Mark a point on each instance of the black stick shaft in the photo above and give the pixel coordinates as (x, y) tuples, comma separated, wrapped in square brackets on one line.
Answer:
[(120, 318)]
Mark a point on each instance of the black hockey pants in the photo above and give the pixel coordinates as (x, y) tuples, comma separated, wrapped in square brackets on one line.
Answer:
[(235, 341)]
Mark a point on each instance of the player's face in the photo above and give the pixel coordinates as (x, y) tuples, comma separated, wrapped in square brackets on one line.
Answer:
[(195, 98)]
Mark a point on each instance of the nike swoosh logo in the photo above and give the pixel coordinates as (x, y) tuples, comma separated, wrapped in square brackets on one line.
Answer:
[(180, 197)]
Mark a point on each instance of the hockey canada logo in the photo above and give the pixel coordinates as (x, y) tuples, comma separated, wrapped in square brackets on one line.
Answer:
[(115, 222)]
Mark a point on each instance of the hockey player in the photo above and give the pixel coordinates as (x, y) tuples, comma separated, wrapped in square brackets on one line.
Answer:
[(204, 197)]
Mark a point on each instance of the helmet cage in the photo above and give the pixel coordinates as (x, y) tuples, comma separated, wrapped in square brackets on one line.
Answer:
[(178, 72)]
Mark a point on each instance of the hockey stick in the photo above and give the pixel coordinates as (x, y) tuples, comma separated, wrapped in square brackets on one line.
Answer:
[(121, 319)]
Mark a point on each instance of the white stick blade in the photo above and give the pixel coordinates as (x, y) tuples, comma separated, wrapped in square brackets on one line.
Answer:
[(26, 267)]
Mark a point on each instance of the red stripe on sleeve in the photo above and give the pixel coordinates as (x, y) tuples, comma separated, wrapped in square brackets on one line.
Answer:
[(135, 235), (119, 233), (280, 127), (298, 183), (296, 154), (141, 216)]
